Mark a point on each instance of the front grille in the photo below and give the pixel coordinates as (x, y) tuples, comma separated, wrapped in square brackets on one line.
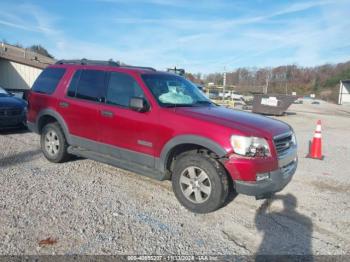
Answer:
[(283, 143), (10, 111)]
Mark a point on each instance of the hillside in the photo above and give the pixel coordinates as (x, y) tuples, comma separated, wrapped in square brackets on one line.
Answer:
[(322, 80)]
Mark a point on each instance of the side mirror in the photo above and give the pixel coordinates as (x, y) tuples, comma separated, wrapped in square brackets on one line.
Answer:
[(139, 104)]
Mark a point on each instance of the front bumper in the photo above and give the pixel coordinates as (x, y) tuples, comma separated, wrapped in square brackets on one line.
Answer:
[(277, 180), (13, 121)]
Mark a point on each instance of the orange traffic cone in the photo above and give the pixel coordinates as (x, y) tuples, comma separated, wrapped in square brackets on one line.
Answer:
[(315, 148)]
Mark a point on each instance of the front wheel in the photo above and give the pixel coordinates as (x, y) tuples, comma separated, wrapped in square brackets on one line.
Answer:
[(200, 183), (53, 143)]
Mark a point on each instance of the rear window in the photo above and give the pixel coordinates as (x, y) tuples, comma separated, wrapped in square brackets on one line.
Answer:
[(48, 80)]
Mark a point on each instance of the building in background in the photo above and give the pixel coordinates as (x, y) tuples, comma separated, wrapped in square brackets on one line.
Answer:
[(344, 92), (20, 67)]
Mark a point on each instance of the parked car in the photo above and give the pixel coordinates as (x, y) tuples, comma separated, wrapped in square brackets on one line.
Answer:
[(231, 95), (298, 101), (239, 105), (12, 110), (131, 118)]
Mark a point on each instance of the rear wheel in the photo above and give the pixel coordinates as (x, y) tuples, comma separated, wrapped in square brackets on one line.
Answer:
[(53, 143), (200, 183)]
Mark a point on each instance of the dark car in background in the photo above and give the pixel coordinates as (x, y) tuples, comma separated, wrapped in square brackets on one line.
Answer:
[(12, 110)]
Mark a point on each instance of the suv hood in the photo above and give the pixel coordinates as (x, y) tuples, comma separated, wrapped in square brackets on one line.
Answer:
[(11, 102), (243, 122)]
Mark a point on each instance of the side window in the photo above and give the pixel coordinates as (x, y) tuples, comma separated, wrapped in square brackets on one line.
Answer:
[(72, 89), (91, 85), (48, 80), (121, 88)]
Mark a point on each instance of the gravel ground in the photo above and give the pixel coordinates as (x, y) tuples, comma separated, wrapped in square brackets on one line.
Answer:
[(85, 207)]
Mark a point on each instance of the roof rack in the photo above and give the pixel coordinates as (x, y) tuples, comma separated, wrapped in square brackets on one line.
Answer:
[(101, 62), (88, 62), (139, 67)]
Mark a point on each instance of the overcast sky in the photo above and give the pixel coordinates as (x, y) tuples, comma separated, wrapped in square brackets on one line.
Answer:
[(200, 36)]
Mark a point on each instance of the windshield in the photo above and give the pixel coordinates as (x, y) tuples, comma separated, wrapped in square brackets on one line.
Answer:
[(3, 92), (172, 90)]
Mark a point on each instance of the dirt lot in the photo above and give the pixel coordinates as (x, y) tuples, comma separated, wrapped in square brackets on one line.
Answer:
[(93, 208)]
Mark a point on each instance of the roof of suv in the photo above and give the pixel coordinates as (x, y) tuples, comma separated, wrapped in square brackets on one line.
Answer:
[(104, 64)]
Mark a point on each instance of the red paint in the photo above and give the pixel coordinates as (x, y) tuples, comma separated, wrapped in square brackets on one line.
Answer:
[(126, 127)]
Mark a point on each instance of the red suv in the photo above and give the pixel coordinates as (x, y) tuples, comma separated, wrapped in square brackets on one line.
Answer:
[(159, 125)]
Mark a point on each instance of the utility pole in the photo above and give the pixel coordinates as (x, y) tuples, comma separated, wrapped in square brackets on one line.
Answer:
[(224, 84), (268, 75), (286, 80)]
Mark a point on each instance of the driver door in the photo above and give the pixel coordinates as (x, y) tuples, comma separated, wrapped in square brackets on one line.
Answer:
[(131, 135)]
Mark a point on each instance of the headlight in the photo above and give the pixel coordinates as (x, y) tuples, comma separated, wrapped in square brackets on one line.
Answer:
[(250, 146)]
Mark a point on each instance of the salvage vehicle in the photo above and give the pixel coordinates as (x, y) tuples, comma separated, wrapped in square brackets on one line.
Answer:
[(12, 110), (160, 125)]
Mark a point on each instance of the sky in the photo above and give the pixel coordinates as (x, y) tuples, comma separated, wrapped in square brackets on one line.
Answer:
[(197, 35)]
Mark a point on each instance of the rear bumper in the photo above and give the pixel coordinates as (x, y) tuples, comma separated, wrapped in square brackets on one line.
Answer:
[(277, 180)]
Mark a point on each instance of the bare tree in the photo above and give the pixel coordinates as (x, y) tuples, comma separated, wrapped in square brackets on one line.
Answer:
[(267, 81)]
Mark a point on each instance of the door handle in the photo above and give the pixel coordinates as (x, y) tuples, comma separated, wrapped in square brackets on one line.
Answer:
[(64, 104), (107, 113)]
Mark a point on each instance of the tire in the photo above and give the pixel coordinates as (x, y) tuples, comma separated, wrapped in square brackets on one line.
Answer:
[(54, 144), (200, 183)]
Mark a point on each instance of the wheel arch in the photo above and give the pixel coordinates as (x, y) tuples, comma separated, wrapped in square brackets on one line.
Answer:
[(47, 116), (184, 143)]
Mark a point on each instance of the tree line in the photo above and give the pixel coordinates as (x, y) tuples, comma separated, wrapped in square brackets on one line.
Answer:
[(322, 80)]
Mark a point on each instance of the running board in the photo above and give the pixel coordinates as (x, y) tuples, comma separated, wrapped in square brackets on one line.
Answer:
[(120, 163)]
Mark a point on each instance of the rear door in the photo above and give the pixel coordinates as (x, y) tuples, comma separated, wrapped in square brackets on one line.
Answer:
[(131, 135), (80, 105)]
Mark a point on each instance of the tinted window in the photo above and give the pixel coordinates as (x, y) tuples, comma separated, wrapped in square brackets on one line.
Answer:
[(121, 88), (91, 85), (47, 81), (72, 89)]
